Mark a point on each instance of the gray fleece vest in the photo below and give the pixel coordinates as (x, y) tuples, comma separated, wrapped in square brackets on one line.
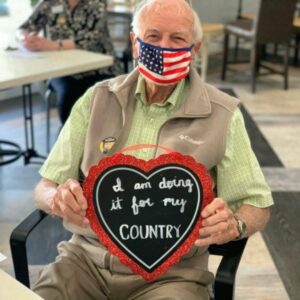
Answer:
[(198, 128)]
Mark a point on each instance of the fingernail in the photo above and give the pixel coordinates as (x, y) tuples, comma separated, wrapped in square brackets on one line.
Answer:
[(197, 243)]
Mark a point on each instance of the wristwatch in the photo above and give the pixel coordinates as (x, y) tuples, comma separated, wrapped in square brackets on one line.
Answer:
[(242, 228)]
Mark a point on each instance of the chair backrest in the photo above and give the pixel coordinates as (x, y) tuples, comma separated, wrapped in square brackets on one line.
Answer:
[(119, 30), (297, 14), (119, 26), (274, 22)]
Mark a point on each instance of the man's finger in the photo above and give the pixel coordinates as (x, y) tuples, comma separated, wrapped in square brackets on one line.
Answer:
[(68, 198), (204, 242), (77, 191), (210, 209), (219, 216), (217, 238), (72, 217), (220, 227)]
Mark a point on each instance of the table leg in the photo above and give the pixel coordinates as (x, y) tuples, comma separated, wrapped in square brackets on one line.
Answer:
[(240, 9), (9, 151), (30, 151)]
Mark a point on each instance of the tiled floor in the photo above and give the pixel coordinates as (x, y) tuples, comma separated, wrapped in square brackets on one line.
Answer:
[(277, 113)]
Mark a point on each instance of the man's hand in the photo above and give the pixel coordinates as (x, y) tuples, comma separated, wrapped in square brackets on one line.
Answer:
[(33, 42), (70, 203), (218, 226)]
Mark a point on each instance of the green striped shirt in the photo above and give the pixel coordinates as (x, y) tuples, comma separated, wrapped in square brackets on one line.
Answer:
[(235, 184), (148, 119)]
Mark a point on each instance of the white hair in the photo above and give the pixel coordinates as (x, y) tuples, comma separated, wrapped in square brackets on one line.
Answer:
[(197, 34)]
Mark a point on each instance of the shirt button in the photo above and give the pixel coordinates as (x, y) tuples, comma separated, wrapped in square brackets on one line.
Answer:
[(151, 120)]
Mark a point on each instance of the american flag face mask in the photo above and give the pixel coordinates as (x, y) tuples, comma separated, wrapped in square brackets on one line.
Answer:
[(163, 66)]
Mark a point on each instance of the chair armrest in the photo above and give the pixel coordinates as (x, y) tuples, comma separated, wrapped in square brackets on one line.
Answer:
[(226, 272), (18, 239)]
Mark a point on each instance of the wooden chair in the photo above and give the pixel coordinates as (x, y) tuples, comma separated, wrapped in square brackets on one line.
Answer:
[(119, 25), (251, 16), (211, 31), (26, 246), (297, 39), (273, 24)]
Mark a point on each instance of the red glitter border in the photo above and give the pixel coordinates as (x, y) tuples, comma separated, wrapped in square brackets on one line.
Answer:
[(146, 166)]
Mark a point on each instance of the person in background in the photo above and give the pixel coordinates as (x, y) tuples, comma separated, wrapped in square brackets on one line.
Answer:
[(159, 103), (70, 24)]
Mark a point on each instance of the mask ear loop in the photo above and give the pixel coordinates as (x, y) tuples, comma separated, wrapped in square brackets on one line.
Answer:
[(143, 146)]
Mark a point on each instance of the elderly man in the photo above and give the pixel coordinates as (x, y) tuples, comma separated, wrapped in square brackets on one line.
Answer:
[(161, 103)]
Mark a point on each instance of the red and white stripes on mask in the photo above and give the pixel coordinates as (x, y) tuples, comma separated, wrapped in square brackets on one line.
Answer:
[(163, 66)]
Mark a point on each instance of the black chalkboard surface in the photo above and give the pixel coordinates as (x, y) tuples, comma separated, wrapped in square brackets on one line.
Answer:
[(147, 212)]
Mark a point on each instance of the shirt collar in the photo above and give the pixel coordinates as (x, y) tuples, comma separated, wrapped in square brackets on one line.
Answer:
[(196, 103), (174, 98)]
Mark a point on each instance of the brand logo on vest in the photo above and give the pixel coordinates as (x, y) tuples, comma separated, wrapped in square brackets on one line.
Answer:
[(106, 144), (190, 140)]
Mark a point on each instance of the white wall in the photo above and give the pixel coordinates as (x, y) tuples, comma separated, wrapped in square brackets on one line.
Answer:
[(19, 10), (222, 11)]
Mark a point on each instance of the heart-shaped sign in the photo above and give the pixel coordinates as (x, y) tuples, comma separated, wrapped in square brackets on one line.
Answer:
[(147, 213)]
